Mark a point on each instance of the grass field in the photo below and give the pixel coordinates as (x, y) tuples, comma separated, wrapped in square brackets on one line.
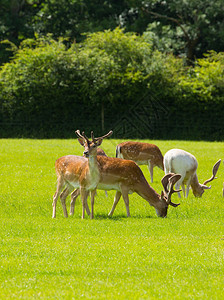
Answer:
[(142, 257)]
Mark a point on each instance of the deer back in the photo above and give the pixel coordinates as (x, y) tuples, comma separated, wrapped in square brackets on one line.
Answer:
[(140, 152)]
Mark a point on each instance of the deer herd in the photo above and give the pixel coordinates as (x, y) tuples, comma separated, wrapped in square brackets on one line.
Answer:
[(83, 175)]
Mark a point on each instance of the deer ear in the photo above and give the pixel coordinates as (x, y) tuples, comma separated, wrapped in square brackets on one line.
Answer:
[(81, 141)]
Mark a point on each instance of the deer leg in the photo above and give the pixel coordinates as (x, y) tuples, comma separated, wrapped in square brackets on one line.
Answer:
[(183, 189), (177, 186), (116, 200), (93, 193), (86, 204), (150, 167), (188, 186), (55, 199), (126, 199), (74, 196), (63, 197), (84, 194), (187, 191), (60, 186), (180, 183)]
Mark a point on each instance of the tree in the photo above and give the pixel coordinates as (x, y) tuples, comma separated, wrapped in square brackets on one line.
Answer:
[(46, 80), (20, 19), (16, 23), (72, 18), (189, 27), (196, 24), (114, 63)]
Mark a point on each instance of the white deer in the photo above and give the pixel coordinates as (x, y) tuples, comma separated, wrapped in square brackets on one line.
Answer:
[(142, 154), (184, 163)]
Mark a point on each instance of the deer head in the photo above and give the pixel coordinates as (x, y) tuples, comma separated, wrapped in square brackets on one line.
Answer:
[(168, 182), (90, 147), (199, 190)]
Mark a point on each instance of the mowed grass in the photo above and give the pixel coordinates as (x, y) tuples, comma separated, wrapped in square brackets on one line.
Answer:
[(141, 257)]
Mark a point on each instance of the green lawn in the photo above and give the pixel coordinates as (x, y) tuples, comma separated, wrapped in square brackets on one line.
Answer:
[(142, 257)]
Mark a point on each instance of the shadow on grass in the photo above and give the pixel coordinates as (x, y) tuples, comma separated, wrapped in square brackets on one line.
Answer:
[(121, 217)]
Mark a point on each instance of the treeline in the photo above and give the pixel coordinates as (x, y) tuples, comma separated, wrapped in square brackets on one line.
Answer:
[(186, 28), (111, 80)]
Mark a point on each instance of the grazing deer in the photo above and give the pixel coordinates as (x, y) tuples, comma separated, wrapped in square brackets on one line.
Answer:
[(121, 175), (76, 192), (142, 154), (185, 164), (77, 172)]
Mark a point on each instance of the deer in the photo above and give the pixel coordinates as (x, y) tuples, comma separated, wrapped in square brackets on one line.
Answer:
[(76, 192), (185, 164), (142, 154), (124, 176), (77, 172)]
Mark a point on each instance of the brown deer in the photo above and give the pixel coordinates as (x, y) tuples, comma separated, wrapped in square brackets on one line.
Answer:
[(76, 192), (142, 154), (124, 176), (77, 172)]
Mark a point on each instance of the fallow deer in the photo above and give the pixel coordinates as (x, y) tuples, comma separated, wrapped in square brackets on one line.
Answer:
[(185, 164), (77, 172), (76, 192), (142, 154), (121, 175)]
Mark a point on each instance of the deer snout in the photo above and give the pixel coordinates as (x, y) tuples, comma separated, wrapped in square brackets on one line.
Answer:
[(86, 153), (162, 213)]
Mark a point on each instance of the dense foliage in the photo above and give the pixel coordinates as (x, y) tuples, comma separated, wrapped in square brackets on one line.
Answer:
[(66, 64), (111, 80), (188, 28)]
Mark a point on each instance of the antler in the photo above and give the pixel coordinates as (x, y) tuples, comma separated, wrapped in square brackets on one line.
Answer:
[(79, 134), (92, 136), (214, 171), (165, 181), (170, 179), (83, 136), (102, 137)]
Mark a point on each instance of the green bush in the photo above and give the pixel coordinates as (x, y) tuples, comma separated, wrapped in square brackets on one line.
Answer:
[(47, 85), (38, 84), (48, 90)]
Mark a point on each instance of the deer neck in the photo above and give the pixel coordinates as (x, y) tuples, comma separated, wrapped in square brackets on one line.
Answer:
[(93, 167), (195, 185), (147, 192), (92, 162)]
